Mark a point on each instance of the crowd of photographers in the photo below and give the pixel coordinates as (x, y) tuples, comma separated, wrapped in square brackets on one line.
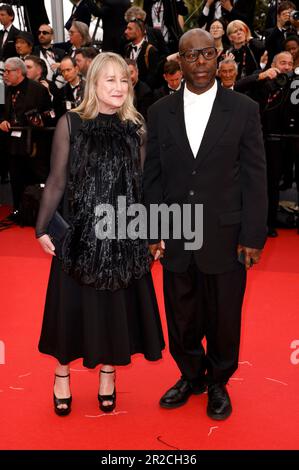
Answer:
[(43, 79)]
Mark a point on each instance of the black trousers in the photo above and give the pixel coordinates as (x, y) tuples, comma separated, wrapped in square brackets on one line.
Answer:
[(202, 305)]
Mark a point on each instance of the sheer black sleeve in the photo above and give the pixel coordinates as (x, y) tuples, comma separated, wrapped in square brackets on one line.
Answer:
[(56, 182)]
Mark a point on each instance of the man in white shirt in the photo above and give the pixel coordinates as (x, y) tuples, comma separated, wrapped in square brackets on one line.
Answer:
[(205, 147)]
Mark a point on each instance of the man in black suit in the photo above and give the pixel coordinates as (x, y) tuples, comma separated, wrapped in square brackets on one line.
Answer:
[(205, 147), (227, 9), (163, 14), (145, 54), (8, 34), (45, 50)]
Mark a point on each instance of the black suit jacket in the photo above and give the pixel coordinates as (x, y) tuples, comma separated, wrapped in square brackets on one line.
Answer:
[(82, 13), (172, 8), (112, 13), (228, 177), (58, 53), (34, 97), (9, 48), (147, 73), (242, 10)]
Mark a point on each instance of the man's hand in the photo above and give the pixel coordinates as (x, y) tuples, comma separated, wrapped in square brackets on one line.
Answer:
[(269, 73), (251, 255), (226, 4), (157, 250), (5, 126)]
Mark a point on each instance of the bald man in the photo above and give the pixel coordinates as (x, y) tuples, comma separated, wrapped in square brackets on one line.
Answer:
[(205, 147)]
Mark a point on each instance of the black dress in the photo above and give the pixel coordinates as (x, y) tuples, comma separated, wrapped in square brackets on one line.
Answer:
[(100, 304)]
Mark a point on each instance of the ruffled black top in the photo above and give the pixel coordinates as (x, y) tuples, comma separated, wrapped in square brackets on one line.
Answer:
[(101, 169)]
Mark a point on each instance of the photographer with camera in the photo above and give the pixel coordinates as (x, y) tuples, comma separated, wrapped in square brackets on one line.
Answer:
[(275, 37), (22, 96), (272, 89)]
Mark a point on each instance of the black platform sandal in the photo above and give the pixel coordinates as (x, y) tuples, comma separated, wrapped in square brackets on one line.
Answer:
[(112, 397), (62, 401)]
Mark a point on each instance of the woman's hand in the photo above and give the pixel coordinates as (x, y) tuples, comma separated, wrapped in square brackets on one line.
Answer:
[(47, 245)]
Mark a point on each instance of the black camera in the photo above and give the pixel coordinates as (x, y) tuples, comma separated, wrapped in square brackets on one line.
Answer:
[(282, 79), (34, 118), (294, 15)]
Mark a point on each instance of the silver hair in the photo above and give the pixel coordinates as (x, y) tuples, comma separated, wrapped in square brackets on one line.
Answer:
[(83, 29), (17, 63), (228, 61)]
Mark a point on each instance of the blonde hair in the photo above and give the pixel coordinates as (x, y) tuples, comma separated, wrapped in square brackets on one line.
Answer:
[(237, 24), (89, 108)]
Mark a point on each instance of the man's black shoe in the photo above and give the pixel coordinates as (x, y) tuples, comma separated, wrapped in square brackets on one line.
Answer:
[(178, 394), (219, 404)]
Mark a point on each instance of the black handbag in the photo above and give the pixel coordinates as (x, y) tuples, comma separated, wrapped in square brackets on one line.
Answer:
[(57, 231)]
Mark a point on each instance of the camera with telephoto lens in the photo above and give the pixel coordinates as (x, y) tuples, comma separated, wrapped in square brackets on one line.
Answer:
[(34, 118)]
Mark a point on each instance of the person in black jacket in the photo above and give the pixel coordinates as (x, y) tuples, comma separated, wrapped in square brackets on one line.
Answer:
[(163, 14), (8, 34), (205, 146), (24, 100), (80, 12), (229, 10), (112, 13)]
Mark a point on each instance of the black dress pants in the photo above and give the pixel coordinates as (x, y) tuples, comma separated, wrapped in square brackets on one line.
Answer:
[(20, 177), (202, 305)]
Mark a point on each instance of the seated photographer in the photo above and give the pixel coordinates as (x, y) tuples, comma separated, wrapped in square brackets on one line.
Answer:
[(22, 97)]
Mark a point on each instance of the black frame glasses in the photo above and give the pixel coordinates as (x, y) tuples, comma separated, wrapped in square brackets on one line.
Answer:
[(45, 33), (192, 55)]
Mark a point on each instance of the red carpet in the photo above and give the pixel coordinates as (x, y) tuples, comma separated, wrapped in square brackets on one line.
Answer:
[(264, 390)]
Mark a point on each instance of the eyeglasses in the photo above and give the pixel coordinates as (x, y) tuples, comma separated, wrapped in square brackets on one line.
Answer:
[(192, 55), (43, 32), (9, 70)]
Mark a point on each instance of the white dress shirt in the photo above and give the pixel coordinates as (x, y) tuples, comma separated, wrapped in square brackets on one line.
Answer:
[(197, 111), (6, 31)]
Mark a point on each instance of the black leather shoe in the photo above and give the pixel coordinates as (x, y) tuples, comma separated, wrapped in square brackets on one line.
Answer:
[(178, 394), (219, 404)]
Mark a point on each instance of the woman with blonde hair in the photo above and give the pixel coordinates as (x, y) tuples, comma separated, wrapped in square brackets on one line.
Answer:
[(246, 50), (100, 303)]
